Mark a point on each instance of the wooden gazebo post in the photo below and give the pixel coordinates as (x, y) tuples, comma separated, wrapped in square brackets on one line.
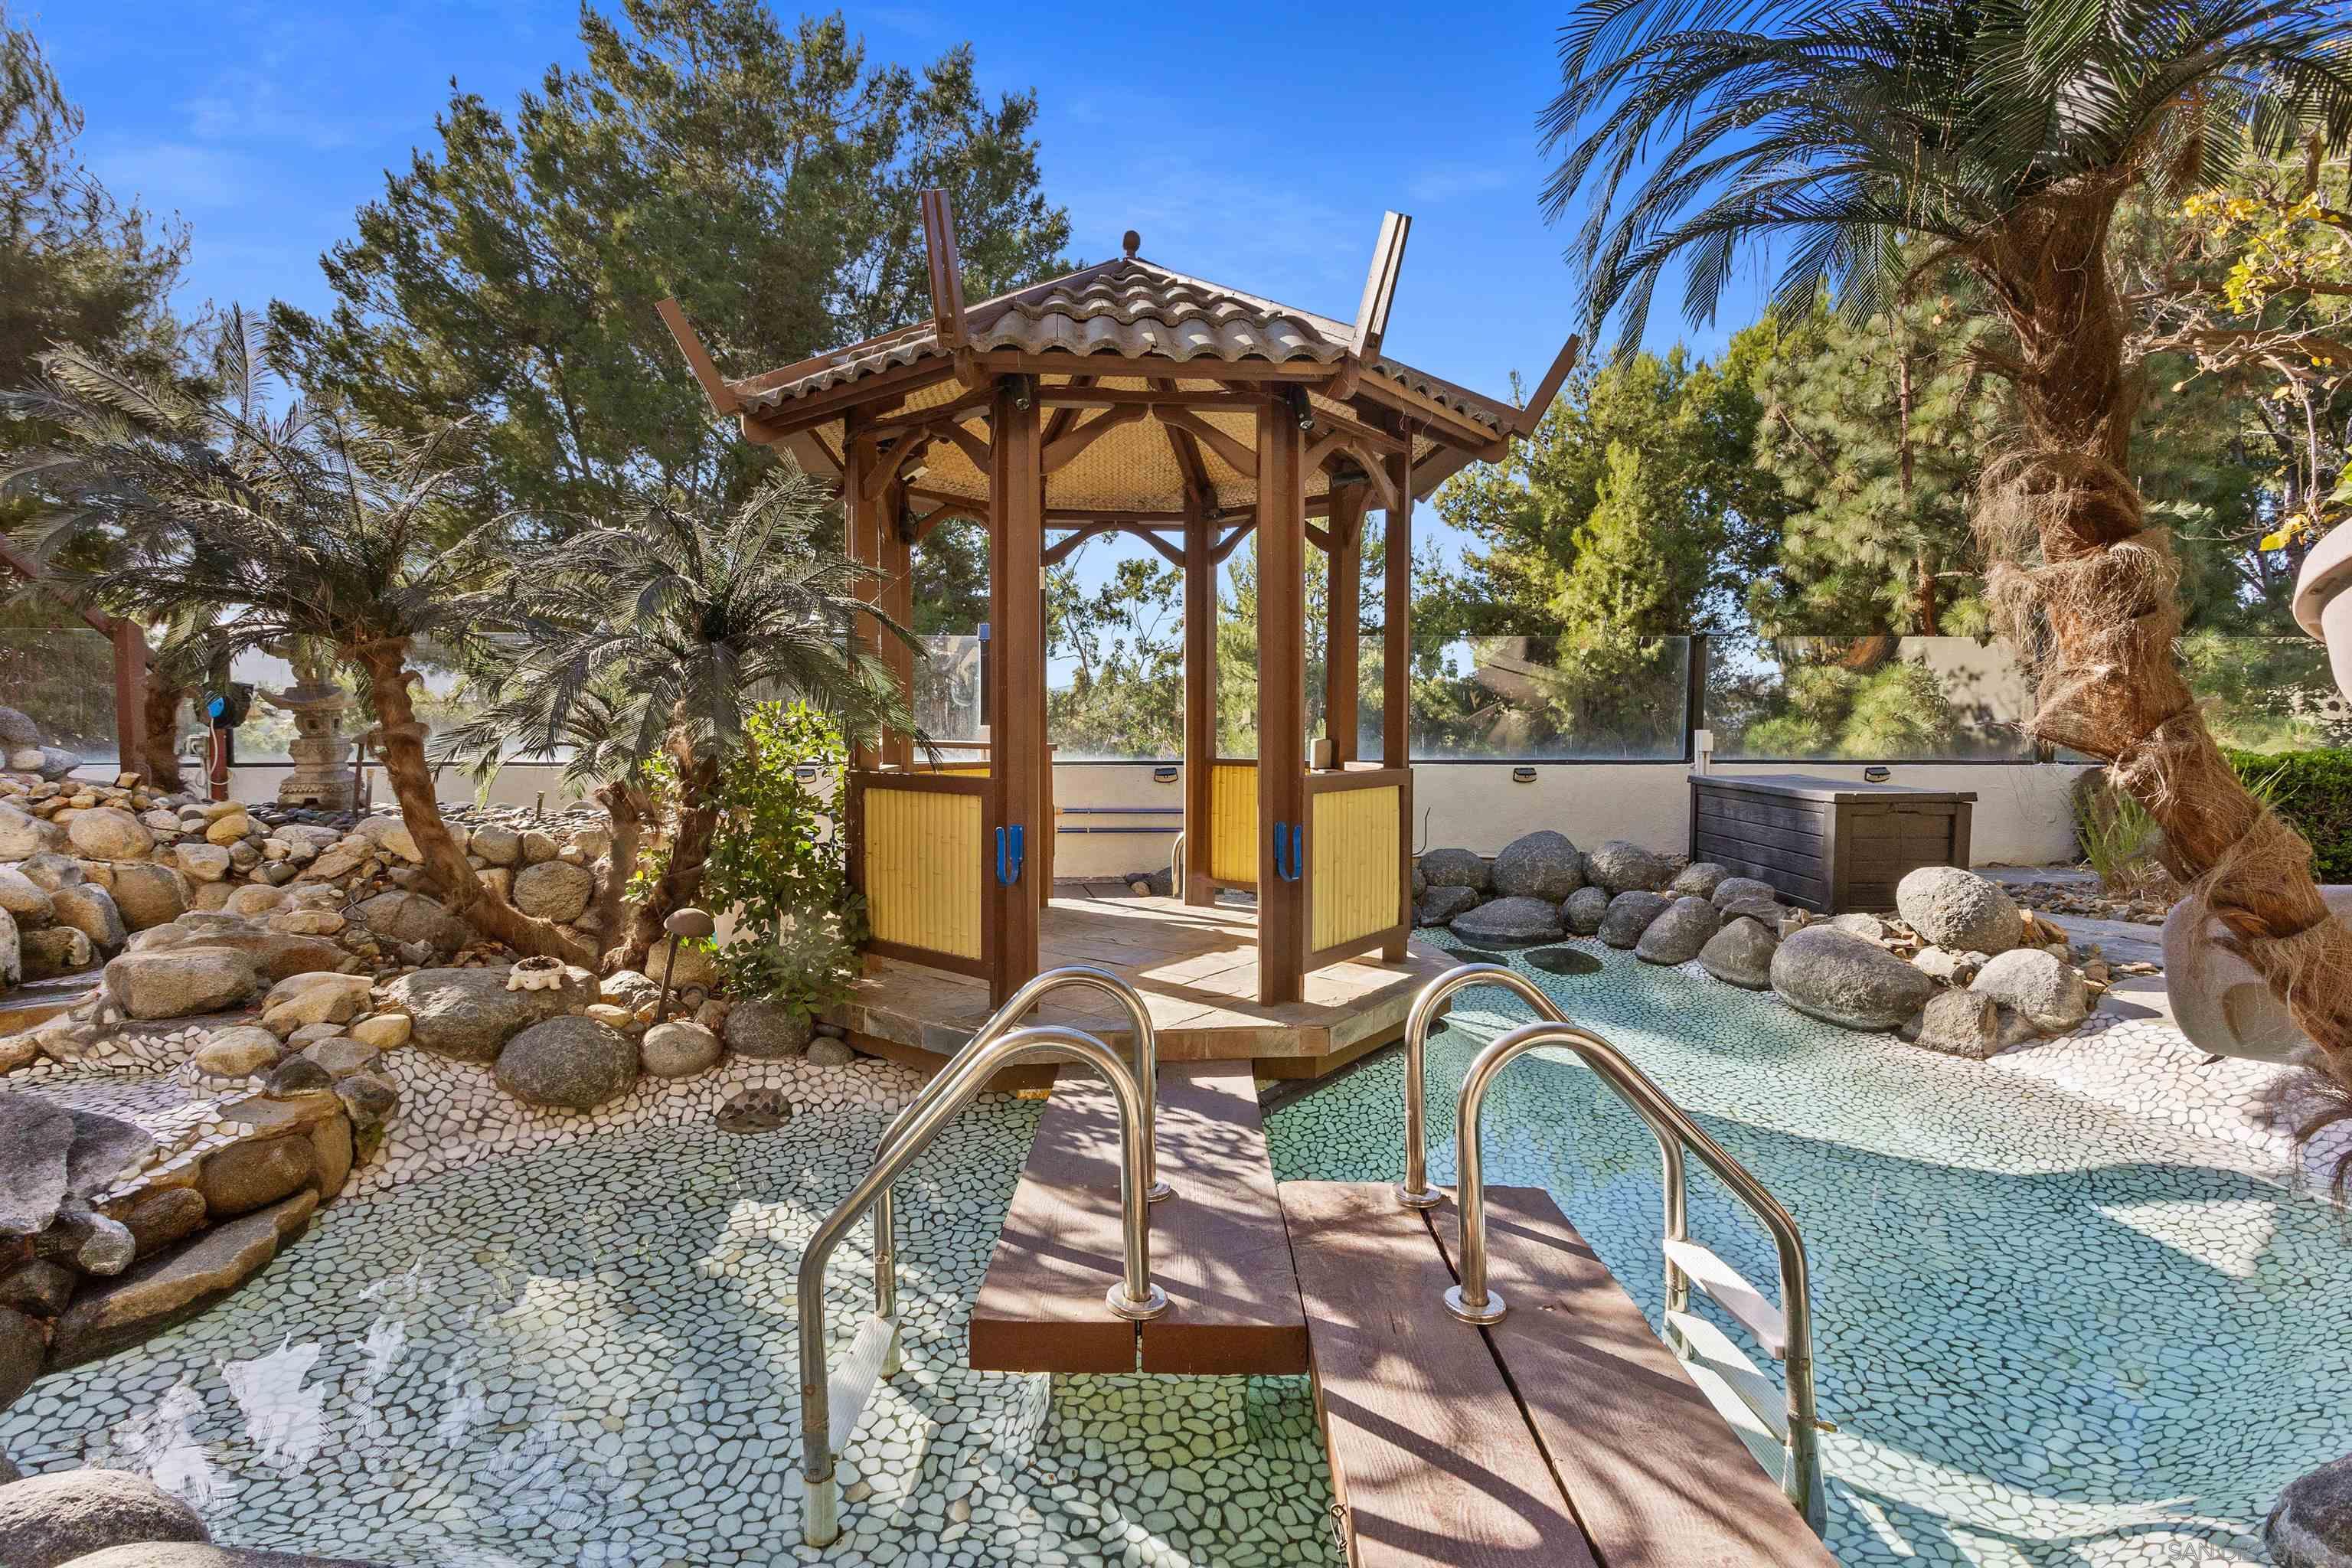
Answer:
[(1017, 754), (1281, 698), (1200, 700)]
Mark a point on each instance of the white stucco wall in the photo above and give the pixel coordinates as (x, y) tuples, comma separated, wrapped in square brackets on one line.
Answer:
[(2022, 814)]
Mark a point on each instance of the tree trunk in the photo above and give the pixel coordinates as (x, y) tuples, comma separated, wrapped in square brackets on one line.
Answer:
[(160, 758), (689, 850), (2100, 607), (632, 811), (399, 743)]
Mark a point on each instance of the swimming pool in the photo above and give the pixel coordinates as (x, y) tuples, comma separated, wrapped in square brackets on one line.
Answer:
[(2048, 1332)]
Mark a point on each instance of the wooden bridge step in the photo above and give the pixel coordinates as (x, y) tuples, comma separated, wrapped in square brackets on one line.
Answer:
[(1218, 1246)]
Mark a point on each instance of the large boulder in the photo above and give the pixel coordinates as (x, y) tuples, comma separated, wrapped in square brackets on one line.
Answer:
[(2045, 988), (1732, 889), (176, 984), (1456, 869), (24, 835), (1440, 905), (1583, 910), (497, 845), (257, 1173), (174, 1286), (1847, 980), (1699, 880), (468, 1015), (767, 1031), (278, 955), (2311, 1524), (1956, 1023), (568, 1064), (1622, 866), (104, 1147), (555, 890), (47, 1522), (90, 910), (34, 1139), (680, 1049), (412, 917), (109, 832), (1740, 954), (1514, 921), (1629, 915), (54, 950), (149, 894), (1542, 864), (1678, 933), (1960, 909), (17, 729)]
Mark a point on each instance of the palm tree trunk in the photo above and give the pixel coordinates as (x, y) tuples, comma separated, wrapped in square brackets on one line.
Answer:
[(399, 743), (689, 850), (2100, 603), (631, 811)]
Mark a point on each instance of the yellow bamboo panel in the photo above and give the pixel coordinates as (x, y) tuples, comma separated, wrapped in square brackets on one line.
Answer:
[(923, 869), (963, 769), (1233, 822), (1351, 848)]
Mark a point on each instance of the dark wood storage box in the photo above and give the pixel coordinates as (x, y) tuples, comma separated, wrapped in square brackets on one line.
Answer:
[(1828, 844)]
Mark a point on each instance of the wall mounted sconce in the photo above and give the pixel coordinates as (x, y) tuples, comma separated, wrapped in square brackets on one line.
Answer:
[(1875, 774), (1522, 775), (1165, 775)]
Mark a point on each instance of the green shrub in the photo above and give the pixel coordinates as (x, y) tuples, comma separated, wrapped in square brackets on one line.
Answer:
[(2312, 790)]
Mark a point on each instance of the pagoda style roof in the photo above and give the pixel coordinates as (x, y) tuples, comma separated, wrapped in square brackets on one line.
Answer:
[(1127, 309)]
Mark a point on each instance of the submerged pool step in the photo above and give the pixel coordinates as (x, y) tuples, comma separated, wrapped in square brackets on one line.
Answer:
[(1734, 1294), (1723, 1372), (860, 1373)]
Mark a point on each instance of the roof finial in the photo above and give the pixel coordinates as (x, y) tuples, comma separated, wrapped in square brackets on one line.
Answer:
[(1130, 242)]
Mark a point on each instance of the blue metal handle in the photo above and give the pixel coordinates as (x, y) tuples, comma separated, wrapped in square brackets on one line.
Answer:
[(1003, 879), (1298, 851), (1281, 837), (1020, 853)]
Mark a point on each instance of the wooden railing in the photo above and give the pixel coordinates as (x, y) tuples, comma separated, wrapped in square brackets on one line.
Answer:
[(1233, 822), (923, 858)]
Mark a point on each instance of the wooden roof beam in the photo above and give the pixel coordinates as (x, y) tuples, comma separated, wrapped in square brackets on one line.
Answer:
[(724, 398), (1548, 387), (946, 269), (1242, 459), (1061, 452), (1380, 287)]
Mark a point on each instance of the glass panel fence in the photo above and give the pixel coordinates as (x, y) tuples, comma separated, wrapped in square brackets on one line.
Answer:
[(1542, 699), (1867, 699), (2266, 694), (62, 678)]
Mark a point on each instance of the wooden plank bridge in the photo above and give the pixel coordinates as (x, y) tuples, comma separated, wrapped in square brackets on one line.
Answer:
[(1565, 1435)]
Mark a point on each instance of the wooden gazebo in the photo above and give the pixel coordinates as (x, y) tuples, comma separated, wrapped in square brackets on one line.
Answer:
[(1125, 397)]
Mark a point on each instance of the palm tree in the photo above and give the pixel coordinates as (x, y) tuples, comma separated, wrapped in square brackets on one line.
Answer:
[(245, 530), (639, 647), (1876, 143)]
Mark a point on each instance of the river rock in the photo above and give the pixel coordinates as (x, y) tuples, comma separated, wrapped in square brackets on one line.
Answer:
[(1951, 968), (1960, 909), (1678, 933), (1731, 890), (1843, 979), (330, 999), (384, 1031), (179, 983), (162, 1217), (767, 1031), (1456, 869), (103, 1148), (830, 1053), (555, 890), (109, 832), (1740, 954), (54, 950), (678, 1048), (497, 846), (20, 896), (202, 862), (1629, 915), (1510, 922), (568, 1064), (176, 1285), (1541, 865), (90, 910), (149, 894), (1439, 905), (51, 871), (1867, 926), (249, 1175), (1699, 880), (412, 917), (1956, 1023), (467, 1015), (24, 835), (47, 1522), (1622, 866), (1583, 909), (2045, 988)]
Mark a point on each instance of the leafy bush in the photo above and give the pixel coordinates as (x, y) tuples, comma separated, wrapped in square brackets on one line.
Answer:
[(2312, 790), (2118, 837), (778, 861)]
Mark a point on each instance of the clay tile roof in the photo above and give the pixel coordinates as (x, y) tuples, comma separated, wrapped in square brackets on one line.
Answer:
[(1131, 309)]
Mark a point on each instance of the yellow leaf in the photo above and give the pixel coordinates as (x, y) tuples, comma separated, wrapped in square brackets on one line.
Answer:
[(2278, 540)]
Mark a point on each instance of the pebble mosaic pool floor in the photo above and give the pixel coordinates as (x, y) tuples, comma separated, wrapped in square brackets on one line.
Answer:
[(2050, 1331)]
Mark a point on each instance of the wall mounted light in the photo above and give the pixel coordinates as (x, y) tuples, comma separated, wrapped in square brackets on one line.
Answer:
[(1876, 775), (1163, 776), (1522, 775)]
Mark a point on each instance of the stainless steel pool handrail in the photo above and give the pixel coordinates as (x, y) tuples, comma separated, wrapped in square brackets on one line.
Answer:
[(1472, 1302), (1146, 1072), (1133, 1297), (1414, 1191)]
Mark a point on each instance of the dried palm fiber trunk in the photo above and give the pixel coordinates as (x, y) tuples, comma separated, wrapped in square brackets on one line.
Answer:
[(2090, 592)]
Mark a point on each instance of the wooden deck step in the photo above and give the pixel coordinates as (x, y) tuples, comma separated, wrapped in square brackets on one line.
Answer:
[(1218, 1246), (1566, 1434)]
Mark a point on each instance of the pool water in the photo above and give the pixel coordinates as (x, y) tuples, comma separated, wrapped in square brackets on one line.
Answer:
[(2048, 1333)]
